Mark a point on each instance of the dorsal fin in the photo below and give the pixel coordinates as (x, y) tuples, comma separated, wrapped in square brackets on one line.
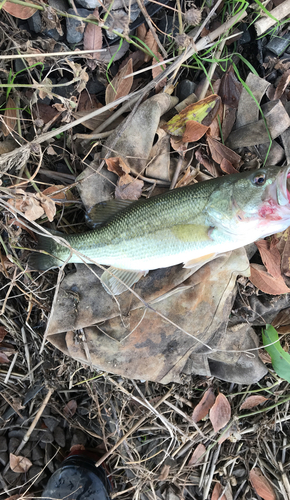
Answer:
[(103, 211)]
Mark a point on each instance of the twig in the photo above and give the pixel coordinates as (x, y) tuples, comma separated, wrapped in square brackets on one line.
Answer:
[(263, 24), (134, 428), (51, 54), (27, 355), (11, 368), (212, 69), (211, 472)]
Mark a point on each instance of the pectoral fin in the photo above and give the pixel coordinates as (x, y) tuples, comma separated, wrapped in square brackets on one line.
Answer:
[(199, 261), (116, 281)]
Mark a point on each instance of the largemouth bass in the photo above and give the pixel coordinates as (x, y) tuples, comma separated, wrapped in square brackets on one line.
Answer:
[(189, 225)]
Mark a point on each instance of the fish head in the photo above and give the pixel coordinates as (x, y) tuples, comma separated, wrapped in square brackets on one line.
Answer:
[(256, 202)]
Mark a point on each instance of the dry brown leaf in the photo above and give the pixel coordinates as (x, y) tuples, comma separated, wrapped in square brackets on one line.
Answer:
[(3, 333), (270, 256), (198, 454), (3, 358), (282, 85), (265, 282), (228, 167), (48, 206), (117, 165), (193, 131), (164, 473), (157, 71), (19, 11), (77, 447), (141, 32), (252, 401), (207, 163), (217, 491), (261, 485), (203, 407), (129, 191), (120, 87), (58, 191), (88, 102), (229, 118), (284, 249), (9, 118), (70, 408), (19, 463), (178, 145), (34, 205), (219, 151), (151, 44), (220, 413), (93, 38)]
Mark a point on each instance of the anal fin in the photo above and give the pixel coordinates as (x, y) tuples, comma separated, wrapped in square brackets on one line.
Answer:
[(116, 281), (199, 261)]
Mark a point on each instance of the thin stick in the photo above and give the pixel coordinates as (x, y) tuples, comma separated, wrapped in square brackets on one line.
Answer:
[(27, 355), (133, 429), (11, 368), (212, 69), (51, 54), (283, 10), (151, 27)]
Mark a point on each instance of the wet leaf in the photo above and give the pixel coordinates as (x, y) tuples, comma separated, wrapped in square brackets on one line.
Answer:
[(261, 485), (197, 454), (3, 333), (19, 463), (217, 491), (9, 118), (230, 88), (252, 401), (270, 256), (280, 358), (265, 282), (203, 407), (3, 358), (193, 131), (220, 152), (93, 38), (203, 111), (220, 413), (70, 408), (19, 11), (120, 87)]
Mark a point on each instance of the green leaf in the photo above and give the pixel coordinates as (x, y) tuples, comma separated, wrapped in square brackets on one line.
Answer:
[(280, 358)]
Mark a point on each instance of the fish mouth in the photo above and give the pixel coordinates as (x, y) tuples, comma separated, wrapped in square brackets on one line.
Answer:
[(283, 186)]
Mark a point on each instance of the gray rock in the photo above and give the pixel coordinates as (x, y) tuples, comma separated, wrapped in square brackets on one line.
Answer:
[(34, 22), (94, 86), (11, 476), (49, 453), (26, 450), (17, 433), (184, 89), (79, 437), (59, 4), (74, 31), (59, 436), (3, 458), (51, 423), (3, 444), (37, 456), (278, 44), (47, 437), (34, 471), (65, 91), (89, 4), (13, 444)]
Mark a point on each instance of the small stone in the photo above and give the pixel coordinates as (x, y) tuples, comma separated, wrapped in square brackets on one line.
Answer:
[(64, 91), (47, 437), (74, 30), (278, 44), (26, 450), (17, 433), (89, 4), (13, 444), (37, 455), (3, 458), (49, 453), (51, 423), (34, 471), (34, 22), (3, 444), (59, 4), (59, 436), (246, 36), (79, 437), (11, 476), (184, 89), (94, 86)]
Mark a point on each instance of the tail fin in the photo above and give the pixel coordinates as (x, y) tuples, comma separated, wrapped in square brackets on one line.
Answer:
[(44, 256)]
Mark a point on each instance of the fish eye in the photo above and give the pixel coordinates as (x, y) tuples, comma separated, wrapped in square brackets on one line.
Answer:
[(259, 180)]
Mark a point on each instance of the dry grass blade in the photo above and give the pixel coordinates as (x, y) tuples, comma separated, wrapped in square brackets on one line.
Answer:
[(9, 118)]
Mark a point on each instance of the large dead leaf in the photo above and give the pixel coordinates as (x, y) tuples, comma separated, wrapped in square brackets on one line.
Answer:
[(284, 249), (270, 256), (19, 11), (9, 118), (217, 492), (93, 38), (117, 165), (198, 454), (230, 88), (267, 283), (120, 87), (3, 333), (3, 358), (151, 44), (252, 401), (131, 190), (203, 111), (261, 485), (19, 463), (193, 131), (220, 152), (220, 413), (203, 407), (33, 205), (70, 408)]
